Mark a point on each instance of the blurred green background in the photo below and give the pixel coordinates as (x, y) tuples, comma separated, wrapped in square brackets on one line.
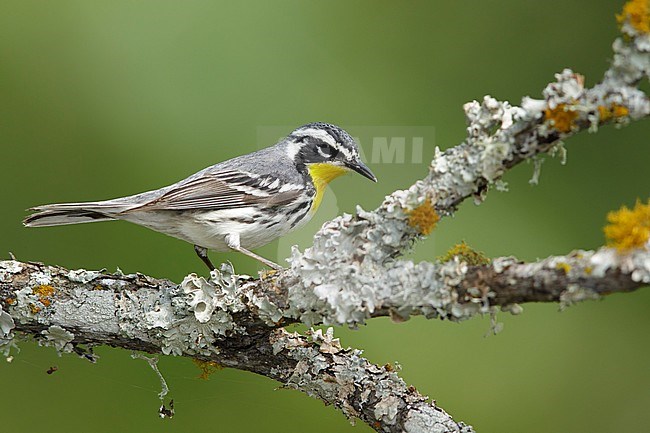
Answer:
[(104, 99)]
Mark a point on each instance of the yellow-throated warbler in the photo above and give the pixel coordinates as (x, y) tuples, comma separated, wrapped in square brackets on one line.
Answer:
[(239, 204)]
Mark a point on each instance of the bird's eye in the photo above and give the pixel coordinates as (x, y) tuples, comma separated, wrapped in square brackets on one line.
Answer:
[(326, 151)]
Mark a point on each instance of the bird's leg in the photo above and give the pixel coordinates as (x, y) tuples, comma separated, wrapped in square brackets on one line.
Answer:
[(232, 240), (203, 255)]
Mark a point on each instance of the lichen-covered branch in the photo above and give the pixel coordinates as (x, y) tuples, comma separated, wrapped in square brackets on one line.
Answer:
[(456, 291), (202, 317), (75, 310), (352, 273), (236, 321)]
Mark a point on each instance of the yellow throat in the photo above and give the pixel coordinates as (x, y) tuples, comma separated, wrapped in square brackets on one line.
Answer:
[(322, 174)]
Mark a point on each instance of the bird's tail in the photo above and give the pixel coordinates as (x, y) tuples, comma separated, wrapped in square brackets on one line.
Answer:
[(70, 213)]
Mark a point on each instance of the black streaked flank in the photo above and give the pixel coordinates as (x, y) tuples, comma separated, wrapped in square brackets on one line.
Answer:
[(301, 206), (299, 217)]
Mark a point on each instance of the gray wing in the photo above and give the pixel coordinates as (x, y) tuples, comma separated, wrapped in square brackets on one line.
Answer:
[(227, 189)]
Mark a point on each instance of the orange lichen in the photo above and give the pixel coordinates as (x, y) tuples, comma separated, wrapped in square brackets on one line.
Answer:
[(628, 228), (466, 254), (44, 293), (424, 217), (604, 113), (10, 301), (614, 111), (619, 111), (637, 14), (564, 267), (562, 117), (34, 309), (207, 368)]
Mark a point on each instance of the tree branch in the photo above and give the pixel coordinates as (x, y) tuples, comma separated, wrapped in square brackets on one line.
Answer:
[(68, 309), (236, 321)]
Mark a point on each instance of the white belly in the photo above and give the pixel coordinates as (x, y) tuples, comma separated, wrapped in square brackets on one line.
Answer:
[(208, 229)]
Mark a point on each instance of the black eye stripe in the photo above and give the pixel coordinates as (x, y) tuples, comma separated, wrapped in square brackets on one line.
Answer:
[(327, 150)]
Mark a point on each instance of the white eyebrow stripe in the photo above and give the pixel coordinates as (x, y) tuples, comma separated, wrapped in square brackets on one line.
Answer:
[(322, 134)]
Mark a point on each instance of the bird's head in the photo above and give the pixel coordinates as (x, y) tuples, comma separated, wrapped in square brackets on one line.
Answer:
[(327, 151)]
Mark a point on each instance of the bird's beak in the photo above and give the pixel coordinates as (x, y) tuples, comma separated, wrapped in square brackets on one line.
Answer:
[(362, 169)]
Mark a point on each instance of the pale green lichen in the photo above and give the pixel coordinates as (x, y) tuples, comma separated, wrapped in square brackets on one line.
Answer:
[(326, 341), (537, 170), (431, 419), (403, 288), (27, 303), (489, 124), (266, 310), (59, 338), (514, 309), (574, 294), (200, 295), (501, 185), (9, 269), (492, 159), (342, 376), (636, 263), (206, 308), (387, 409), (6, 324), (83, 276), (495, 326), (559, 150), (7, 345)]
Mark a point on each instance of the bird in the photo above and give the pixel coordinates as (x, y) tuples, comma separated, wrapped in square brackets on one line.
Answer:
[(239, 204)]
